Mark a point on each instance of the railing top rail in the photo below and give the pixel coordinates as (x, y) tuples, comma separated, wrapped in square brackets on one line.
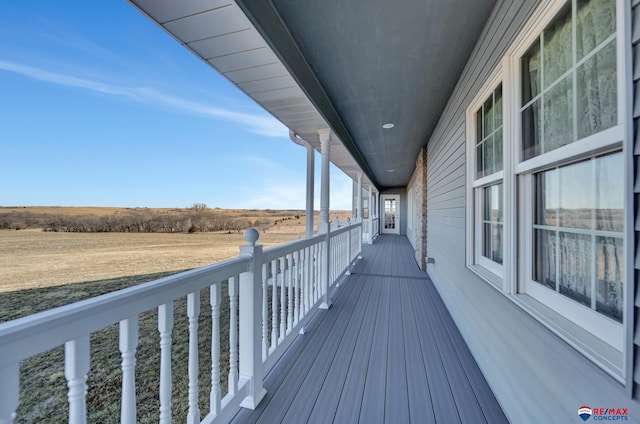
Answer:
[(345, 228), (293, 246), (284, 249), (30, 335)]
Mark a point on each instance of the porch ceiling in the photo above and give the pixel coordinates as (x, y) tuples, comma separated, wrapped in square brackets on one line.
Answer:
[(345, 65)]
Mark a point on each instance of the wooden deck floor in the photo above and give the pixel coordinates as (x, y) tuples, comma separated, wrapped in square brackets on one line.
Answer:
[(387, 351)]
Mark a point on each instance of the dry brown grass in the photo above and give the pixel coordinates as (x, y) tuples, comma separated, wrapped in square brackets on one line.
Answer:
[(37, 269), (36, 259)]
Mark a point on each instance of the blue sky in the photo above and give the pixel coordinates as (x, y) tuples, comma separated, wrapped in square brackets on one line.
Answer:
[(99, 107)]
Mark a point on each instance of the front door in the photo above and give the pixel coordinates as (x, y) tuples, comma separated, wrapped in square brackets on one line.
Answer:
[(390, 214)]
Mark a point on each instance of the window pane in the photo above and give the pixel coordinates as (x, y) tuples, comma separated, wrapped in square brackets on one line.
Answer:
[(531, 131), (488, 116), (577, 195), (596, 20), (496, 252), (597, 92), (558, 115), (479, 122), (486, 240), (497, 151), (575, 267), (486, 203), (497, 109), (609, 294), (547, 198), (488, 156), (531, 73), (557, 50), (492, 222), (544, 269), (610, 202), (479, 161)]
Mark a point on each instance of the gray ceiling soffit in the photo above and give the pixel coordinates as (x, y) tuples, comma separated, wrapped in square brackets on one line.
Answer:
[(365, 64), (269, 24)]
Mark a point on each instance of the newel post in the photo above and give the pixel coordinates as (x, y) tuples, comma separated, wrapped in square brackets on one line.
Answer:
[(250, 326)]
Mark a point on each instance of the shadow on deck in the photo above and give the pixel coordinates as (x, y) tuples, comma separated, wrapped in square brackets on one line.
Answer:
[(387, 351)]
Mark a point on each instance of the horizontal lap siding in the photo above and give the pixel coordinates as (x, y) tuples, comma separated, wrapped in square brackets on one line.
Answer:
[(636, 134), (532, 372)]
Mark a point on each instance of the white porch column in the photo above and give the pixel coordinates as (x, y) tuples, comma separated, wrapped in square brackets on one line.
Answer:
[(371, 215), (359, 198), (325, 150), (310, 188), (324, 227), (310, 180)]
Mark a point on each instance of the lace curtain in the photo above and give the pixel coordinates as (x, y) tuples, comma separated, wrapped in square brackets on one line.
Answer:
[(549, 73)]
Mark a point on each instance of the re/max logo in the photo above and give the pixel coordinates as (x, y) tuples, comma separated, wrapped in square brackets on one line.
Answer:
[(610, 411)]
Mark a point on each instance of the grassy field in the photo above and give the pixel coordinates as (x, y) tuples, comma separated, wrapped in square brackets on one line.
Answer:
[(41, 270), (36, 259)]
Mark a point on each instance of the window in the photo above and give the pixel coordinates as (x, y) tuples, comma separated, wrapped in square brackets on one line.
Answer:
[(546, 176), (492, 231), (487, 183), (573, 199)]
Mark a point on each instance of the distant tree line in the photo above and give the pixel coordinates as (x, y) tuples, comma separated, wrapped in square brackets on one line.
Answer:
[(198, 218)]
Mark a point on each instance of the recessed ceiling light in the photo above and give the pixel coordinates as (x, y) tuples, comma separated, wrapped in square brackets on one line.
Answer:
[(387, 126)]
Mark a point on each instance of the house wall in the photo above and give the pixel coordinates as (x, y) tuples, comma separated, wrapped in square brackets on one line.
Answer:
[(635, 38), (535, 375), (417, 233)]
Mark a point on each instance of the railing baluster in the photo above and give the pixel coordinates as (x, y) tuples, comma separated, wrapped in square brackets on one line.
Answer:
[(214, 394), (283, 300), (274, 304), (9, 393), (76, 368), (290, 275), (297, 287), (305, 282), (128, 346), (265, 312), (233, 335), (165, 327), (318, 286), (193, 311)]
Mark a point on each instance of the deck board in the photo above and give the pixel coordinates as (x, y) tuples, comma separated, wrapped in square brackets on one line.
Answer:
[(387, 351)]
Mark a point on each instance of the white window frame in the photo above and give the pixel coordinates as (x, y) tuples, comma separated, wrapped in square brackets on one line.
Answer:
[(491, 271), (602, 327), (581, 327)]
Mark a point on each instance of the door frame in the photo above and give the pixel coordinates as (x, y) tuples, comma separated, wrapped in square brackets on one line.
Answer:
[(383, 198)]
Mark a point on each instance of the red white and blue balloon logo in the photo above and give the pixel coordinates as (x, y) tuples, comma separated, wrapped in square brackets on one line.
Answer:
[(585, 412)]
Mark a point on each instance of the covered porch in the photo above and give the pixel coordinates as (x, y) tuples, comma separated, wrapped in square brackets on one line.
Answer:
[(386, 351)]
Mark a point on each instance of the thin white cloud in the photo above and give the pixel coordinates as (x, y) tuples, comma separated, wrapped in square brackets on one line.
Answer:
[(282, 189), (258, 124)]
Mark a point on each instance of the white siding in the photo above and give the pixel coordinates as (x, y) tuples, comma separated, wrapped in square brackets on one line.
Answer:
[(536, 376), (636, 141)]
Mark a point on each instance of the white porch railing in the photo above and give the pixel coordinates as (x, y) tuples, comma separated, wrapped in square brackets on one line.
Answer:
[(370, 229), (271, 295)]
